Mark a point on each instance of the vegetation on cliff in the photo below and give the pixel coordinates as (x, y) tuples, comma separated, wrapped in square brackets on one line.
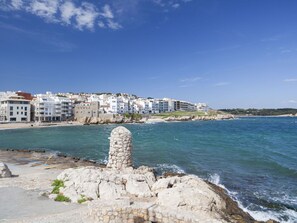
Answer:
[(261, 112), (190, 113)]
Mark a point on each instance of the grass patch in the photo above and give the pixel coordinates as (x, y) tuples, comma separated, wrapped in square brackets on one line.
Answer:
[(57, 184), (177, 114), (82, 199), (180, 113), (62, 198)]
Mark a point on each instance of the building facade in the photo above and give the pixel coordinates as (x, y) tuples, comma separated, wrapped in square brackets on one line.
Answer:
[(15, 109), (87, 110), (50, 108)]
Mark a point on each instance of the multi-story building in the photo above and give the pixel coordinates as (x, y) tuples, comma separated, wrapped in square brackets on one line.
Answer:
[(184, 106), (49, 107), (87, 110), (15, 109)]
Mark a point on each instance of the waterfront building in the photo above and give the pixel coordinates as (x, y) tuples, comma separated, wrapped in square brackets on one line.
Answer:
[(49, 107), (184, 106), (87, 110), (14, 108), (202, 107)]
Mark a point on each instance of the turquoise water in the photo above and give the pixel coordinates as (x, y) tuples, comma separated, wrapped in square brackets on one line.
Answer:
[(255, 159)]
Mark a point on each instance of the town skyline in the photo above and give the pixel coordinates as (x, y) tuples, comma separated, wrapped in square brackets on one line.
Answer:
[(228, 54)]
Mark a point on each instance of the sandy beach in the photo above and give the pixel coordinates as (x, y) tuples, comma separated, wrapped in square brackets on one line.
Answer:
[(5, 126)]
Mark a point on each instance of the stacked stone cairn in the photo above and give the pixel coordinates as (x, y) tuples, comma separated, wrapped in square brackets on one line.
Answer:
[(120, 149)]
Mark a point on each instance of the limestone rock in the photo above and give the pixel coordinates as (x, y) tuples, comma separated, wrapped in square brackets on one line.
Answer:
[(188, 193), (4, 171), (98, 183)]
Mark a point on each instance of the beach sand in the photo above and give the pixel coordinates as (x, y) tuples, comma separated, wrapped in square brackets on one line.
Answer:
[(4, 126)]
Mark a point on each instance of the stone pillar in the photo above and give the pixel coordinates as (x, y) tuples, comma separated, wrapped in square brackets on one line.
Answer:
[(120, 156)]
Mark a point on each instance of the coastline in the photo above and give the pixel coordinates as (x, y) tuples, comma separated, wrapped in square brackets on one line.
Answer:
[(31, 125), (151, 120), (35, 170)]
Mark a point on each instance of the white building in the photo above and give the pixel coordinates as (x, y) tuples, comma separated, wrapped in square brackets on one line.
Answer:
[(49, 107), (15, 109), (202, 107)]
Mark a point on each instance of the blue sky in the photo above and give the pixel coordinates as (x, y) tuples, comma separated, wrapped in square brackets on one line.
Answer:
[(228, 53)]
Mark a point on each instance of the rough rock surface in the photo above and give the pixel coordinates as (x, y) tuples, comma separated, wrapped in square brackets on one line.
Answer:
[(184, 198), (104, 183), (4, 171), (120, 148)]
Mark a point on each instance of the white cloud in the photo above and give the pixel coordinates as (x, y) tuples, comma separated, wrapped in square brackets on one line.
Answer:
[(17, 4), (192, 79), (113, 25), (221, 84), (170, 4), (107, 13), (291, 80), (86, 16), (66, 12), (44, 8), (101, 24)]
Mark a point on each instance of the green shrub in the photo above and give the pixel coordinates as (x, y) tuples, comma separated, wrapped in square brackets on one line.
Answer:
[(57, 184), (62, 198)]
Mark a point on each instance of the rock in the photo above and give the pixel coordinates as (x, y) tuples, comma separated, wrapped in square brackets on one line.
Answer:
[(187, 193), (137, 185), (120, 148), (4, 171)]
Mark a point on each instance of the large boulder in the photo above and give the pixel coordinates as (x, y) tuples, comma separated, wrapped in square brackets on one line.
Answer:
[(187, 193), (4, 171)]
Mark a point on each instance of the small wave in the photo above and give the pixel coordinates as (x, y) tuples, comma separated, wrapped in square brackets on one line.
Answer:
[(216, 179), (163, 168), (286, 216), (104, 161)]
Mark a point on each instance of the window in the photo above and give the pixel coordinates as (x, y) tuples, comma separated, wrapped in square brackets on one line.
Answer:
[(11, 108), (18, 107), (25, 113), (25, 108), (11, 113), (22, 107)]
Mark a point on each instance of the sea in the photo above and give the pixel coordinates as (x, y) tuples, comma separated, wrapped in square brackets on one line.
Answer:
[(254, 158)]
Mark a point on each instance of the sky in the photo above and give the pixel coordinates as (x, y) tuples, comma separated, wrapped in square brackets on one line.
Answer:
[(227, 53)]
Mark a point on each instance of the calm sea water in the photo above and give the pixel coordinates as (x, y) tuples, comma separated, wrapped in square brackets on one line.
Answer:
[(255, 159)]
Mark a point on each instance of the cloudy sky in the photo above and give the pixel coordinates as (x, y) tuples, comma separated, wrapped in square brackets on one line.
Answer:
[(228, 53)]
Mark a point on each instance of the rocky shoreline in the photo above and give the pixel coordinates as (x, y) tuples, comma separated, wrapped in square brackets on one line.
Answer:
[(61, 162), (119, 119)]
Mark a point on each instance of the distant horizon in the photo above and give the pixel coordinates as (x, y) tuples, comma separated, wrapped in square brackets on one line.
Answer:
[(225, 53)]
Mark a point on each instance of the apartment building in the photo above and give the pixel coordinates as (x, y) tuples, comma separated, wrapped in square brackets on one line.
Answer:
[(49, 107), (15, 109), (184, 106)]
